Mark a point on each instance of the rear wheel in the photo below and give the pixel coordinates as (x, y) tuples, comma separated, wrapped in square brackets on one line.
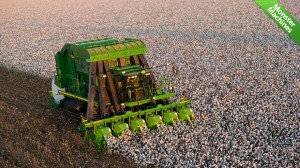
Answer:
[(76, 108)]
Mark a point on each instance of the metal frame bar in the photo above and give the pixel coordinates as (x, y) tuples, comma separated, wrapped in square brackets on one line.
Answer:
[(111, 87), (92, 91), (101, 89)]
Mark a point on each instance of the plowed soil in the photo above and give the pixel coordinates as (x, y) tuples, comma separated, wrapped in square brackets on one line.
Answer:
[(33, 135)]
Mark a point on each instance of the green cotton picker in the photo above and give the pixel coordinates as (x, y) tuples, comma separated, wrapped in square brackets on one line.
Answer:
[(109, 85)]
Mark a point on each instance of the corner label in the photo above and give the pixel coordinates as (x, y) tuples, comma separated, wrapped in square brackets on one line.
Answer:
[(281, 17)]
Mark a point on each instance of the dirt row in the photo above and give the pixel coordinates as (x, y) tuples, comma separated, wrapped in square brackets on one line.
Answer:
[(33, 135)]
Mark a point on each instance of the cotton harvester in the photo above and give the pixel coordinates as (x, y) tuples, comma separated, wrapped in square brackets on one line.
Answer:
[(109, 84)]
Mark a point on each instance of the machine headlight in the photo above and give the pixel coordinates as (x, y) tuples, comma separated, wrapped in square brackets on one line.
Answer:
[(122, 105)]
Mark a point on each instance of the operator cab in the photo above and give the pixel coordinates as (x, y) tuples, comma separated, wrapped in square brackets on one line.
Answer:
[(132, 83)]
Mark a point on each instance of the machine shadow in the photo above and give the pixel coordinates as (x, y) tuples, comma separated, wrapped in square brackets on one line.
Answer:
[(26, 117)]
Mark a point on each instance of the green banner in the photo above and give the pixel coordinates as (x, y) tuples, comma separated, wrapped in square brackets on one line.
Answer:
[(282, 18)]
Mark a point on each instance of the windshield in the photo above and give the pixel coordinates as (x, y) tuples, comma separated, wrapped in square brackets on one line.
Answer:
[(133, 88)]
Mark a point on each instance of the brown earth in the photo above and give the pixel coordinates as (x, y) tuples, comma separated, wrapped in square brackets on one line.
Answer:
[(33, 135)]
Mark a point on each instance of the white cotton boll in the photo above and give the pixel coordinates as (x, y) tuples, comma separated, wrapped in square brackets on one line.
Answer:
[(232, 64)]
